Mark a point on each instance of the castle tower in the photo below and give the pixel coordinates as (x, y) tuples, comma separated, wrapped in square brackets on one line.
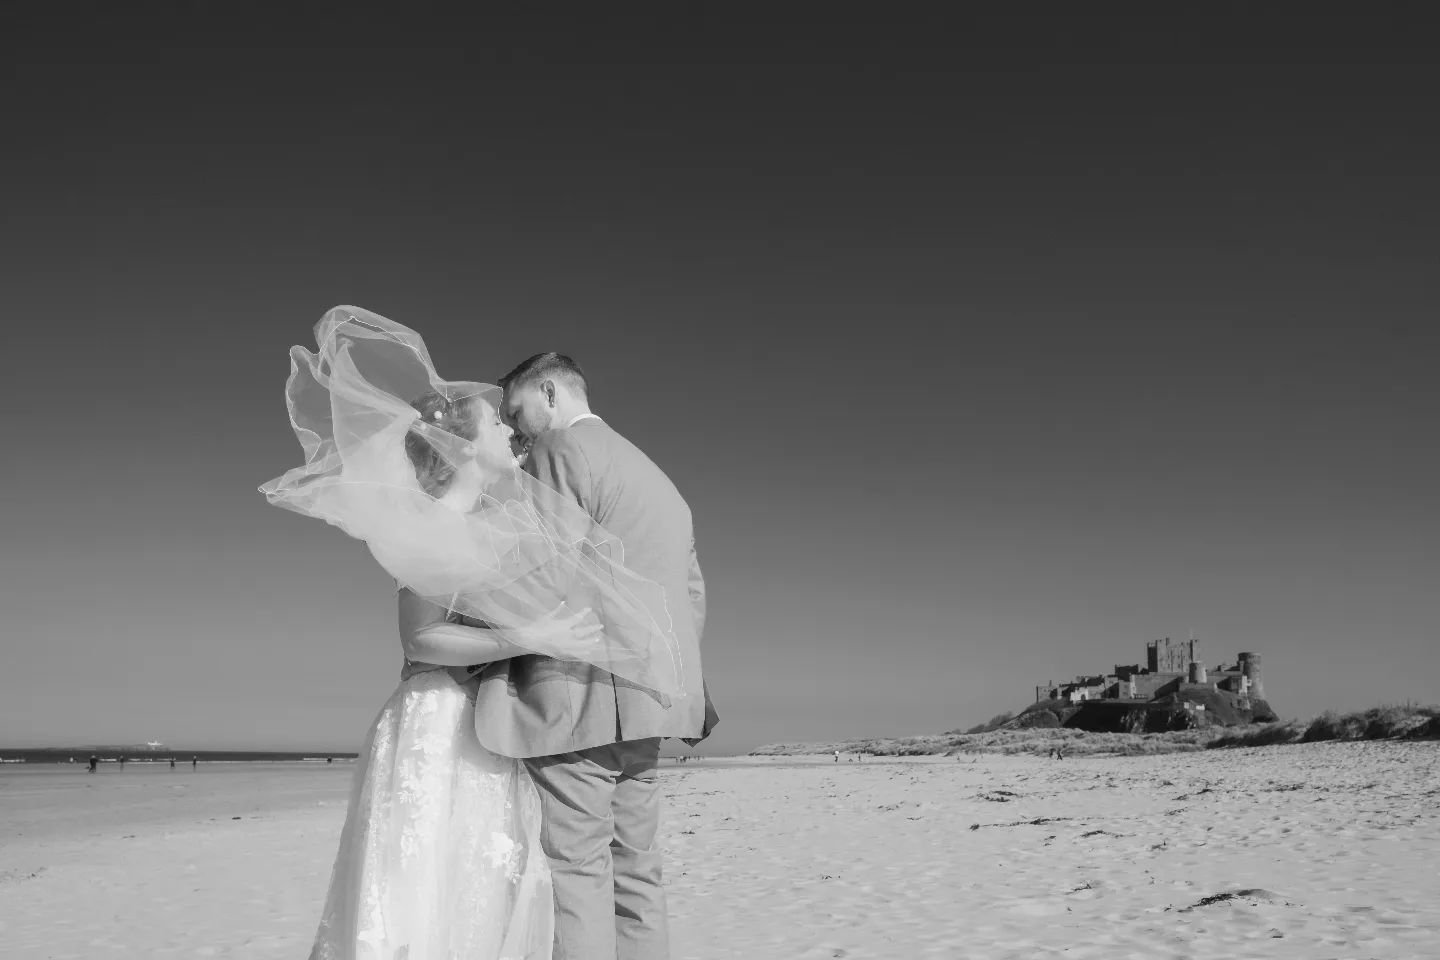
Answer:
[(1196, 673), (1250, 669), (1171, 656)]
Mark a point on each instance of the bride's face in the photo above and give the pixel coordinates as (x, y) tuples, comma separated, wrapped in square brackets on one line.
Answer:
[(492, 437)]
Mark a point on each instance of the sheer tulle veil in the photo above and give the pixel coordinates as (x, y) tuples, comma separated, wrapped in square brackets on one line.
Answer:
[(518, 553)]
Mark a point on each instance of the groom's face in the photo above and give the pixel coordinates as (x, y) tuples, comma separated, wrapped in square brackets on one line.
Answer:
[(527, 410)]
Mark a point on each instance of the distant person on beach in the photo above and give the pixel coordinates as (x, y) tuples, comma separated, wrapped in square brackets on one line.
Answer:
[(94, 763), (501, 575), (194, 762)]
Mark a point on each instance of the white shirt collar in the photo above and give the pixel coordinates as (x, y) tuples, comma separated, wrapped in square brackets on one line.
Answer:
[(583, 416)]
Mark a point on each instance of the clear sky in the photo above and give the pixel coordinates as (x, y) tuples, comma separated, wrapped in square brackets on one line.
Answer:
[(984, 350)]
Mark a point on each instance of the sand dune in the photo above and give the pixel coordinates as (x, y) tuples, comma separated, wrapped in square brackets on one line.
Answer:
[(1305, 851)]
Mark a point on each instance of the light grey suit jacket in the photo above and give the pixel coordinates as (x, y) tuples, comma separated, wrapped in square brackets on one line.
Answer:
[(534, 706)]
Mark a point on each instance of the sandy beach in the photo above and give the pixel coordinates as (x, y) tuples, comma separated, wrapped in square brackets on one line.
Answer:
[(1326, 850)]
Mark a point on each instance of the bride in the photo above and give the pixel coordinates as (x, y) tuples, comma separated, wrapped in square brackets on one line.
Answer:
[(440, 853)]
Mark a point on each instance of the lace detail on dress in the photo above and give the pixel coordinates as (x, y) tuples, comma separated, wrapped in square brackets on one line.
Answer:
[(440, 856)]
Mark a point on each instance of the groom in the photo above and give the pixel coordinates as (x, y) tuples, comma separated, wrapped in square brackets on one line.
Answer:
[(591, 740)]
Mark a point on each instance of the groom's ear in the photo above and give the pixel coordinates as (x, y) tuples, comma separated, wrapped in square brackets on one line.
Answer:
[(547, 387)]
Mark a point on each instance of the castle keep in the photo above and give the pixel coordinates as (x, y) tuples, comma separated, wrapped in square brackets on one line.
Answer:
[(1171, 666)]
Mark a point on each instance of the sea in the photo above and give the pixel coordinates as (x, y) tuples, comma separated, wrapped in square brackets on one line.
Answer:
[(162, 754)]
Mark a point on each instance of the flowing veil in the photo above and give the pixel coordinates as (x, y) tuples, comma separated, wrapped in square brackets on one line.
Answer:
[(520, 553)]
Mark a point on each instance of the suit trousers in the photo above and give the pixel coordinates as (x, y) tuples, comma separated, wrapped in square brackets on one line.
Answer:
[(601, 817)]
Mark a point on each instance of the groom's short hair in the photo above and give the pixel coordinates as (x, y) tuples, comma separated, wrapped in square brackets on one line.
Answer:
[(555, 366)]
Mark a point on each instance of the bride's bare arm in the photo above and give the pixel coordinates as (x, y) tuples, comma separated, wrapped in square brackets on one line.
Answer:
[(429, 638)]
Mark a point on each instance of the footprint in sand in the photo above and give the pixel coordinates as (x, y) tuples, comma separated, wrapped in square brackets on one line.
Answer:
[(1089, 890), (1034, 907)]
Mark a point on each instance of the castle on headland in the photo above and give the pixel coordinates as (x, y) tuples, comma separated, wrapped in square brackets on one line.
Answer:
[(1171, 667)]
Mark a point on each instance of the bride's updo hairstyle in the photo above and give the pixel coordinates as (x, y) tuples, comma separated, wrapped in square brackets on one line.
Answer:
[(453, 416)]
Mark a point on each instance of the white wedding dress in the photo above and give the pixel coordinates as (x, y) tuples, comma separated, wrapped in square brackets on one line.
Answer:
[(440, 856)]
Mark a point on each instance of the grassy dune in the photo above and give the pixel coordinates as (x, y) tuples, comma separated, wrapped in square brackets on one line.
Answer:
[(1378, 723)]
